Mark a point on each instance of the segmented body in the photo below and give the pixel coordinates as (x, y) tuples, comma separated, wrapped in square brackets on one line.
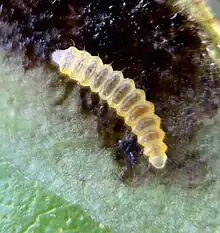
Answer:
[(120, 94), (201, 13), (206, 18)]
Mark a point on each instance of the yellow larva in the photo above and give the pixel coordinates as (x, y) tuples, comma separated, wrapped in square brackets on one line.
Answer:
[(206, 18), (120, 94), (202, 14)]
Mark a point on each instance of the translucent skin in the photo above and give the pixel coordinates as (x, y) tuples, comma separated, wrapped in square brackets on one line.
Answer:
[(120, 94), (202, 13)]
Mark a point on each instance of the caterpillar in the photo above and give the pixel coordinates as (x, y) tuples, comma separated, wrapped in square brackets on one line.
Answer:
[(205, 17), (120, 94), (201, 13)]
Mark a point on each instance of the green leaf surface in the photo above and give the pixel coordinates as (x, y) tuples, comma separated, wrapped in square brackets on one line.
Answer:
[(57, 149), (27, 207)]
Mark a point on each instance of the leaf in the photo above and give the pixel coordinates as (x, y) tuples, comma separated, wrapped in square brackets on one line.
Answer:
[(28, 207), (35, 141)]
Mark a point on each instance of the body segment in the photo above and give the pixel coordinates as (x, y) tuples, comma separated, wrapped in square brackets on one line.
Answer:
[(120, 94)]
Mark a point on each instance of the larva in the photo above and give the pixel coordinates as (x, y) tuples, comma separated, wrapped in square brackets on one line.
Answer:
[(202, 14), (120, 94)]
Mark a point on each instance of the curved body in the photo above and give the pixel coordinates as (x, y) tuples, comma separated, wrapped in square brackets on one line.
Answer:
[(120, 94), (203, 15)]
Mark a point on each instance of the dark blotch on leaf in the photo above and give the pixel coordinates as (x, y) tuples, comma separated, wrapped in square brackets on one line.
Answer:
[(154, 45)]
